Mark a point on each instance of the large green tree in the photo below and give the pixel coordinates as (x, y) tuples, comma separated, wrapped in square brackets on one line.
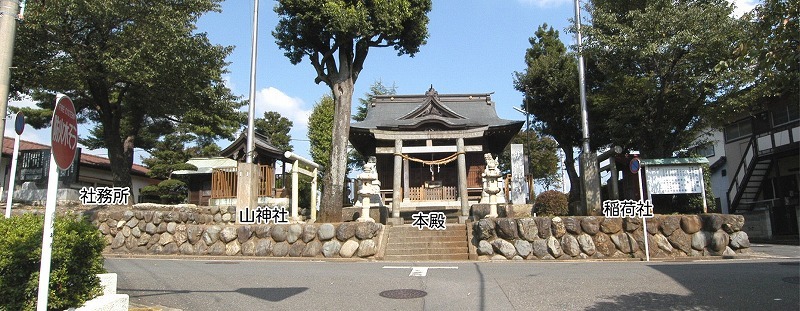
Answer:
[(550, 85), (542, 157), (660, 69), (320, 129), (336, 36), (770, 54), (355, 160), (276, 128), (136, 69)]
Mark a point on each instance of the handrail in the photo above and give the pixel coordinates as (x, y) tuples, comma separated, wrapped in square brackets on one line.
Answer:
[(744, 165)]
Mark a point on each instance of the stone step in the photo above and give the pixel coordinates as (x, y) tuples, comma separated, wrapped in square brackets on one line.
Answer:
[(414, 239), (459, 256), (430, 233), (425, 252), (430, 245), (408, 227)]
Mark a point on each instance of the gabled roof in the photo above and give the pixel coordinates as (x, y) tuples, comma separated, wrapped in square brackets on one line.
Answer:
[(86, 159), (453, 111), (263, 147), (433, 112), (206, 165)]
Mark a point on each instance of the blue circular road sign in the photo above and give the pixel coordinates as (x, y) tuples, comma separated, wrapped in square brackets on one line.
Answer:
[(635, 165), (19, 123)]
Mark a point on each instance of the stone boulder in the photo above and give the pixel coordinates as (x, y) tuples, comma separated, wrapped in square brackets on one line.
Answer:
[(587, 244), (544, 225), (296, 248), (611, 225), (484, 248), (331, 248), (243, 233), (603, 244), (326, 232), (625, 242), (484, 229), (279, 233), (691, 223), (733, 223), (263, 231), (557, 227), (367, 248), (540, 248), (739, 240), (211, 235), (669, 224), (263, 247), (507, 229), (309, 234), (554, 247), (572, 224), (570, 245), (293, 234), (719, 241), (344, 233), (523, 247), (700, 240), (348, 248), (280, 249), (312, 249), (681, 241), (227, 234), (591, 225), (504, 247), (527, 229)]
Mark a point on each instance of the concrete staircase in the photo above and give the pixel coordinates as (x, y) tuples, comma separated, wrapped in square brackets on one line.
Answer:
[(407, 243)]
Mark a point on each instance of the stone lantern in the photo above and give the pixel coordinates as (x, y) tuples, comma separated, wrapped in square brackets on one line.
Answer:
[(370, 185), (490, 175)]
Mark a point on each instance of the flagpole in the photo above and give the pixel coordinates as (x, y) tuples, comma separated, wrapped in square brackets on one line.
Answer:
[(252, 111)]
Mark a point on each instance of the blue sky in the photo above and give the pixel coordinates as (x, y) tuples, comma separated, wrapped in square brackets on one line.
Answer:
[(474, 46)]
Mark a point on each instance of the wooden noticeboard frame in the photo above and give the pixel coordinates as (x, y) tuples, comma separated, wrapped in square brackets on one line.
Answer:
[(675, 176)]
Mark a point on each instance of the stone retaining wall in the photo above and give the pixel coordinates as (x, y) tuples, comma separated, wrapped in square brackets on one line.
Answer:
[(576, 237), (197, 232)]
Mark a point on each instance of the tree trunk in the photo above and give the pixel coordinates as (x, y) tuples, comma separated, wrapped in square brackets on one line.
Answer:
[(120, 154), (333, 182), (574, 179)]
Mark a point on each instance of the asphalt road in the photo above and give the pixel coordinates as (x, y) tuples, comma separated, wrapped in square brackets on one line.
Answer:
[(767, 283)]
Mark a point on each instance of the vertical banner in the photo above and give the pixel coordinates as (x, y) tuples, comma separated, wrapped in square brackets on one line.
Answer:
[(519, 187)]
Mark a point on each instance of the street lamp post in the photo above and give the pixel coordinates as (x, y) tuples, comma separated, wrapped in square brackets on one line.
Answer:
[(589, 172)]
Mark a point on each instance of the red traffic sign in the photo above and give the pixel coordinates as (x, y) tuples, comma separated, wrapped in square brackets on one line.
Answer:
[(64, 138), (635, 165)]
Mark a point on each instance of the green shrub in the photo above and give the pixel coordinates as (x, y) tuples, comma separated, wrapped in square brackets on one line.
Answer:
[(150, 194), (170, 191), (173, 191), (551, 203), (76, 261)]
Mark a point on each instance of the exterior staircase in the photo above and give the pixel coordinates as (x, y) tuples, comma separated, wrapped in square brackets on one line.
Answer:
[(408, 243)]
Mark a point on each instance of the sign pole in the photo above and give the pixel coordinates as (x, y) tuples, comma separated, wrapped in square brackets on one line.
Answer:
[(12, 177), (703, 189), (63, 144), (19, 126), (47, 236), (644, 220)]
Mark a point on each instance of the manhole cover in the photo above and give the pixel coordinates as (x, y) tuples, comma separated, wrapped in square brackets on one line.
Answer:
[(792, 280), (403, 293)]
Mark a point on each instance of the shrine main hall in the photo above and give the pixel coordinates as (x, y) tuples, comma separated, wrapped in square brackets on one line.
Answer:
[(430, 148)]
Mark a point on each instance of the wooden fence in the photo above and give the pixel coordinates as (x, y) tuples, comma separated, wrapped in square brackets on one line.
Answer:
[(224, 182), (433, 194)]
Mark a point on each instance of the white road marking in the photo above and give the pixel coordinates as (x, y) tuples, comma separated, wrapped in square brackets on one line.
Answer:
[(417, 271)]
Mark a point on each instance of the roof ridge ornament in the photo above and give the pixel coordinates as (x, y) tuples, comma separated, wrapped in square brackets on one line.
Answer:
[(432, 92)]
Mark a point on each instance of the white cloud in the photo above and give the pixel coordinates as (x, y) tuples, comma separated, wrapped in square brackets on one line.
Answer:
[(545, 3), (292, 108), (743, 6)]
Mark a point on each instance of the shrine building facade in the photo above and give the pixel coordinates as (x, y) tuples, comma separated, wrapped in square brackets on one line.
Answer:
[(430, 148)]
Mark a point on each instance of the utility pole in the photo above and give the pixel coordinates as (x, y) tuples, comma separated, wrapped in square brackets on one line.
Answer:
[(9, 11), (590, 179)]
